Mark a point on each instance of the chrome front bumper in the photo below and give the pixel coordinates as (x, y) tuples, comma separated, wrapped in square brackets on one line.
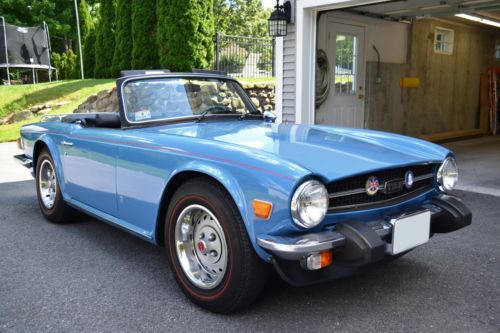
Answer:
[(298, 247), (358, 243)]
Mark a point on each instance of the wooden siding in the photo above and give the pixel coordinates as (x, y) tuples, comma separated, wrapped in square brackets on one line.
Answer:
[(448, 97), (289, 75)]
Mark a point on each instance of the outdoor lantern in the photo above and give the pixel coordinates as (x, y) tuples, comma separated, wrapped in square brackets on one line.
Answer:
[(280, 17)]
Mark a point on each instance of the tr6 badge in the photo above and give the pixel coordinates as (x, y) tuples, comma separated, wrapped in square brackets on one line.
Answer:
[(372, 185)]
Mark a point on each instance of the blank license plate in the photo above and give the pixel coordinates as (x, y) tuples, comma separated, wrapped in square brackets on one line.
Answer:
[(410, 231)]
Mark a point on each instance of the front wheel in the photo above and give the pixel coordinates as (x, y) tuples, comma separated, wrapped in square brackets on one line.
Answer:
[(209, 250)]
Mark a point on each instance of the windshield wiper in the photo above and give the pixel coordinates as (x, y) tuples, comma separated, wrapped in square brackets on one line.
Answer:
[(248, 114), (210, 110)]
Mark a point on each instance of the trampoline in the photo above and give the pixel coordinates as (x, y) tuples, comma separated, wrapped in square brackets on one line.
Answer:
[(25, 48)]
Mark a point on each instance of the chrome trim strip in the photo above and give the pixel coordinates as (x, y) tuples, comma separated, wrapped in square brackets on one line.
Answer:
[(296, 247), (422, 177), (346, 193)]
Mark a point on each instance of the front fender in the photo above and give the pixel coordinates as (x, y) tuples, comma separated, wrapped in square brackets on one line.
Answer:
[(244, 186)]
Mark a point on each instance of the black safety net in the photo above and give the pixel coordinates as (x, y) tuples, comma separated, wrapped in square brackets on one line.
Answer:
[(24, 45)]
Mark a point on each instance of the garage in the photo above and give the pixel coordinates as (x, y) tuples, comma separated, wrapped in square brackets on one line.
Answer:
[(425, 68)]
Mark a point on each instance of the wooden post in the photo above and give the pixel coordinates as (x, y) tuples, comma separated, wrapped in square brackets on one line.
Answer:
[(484, 104)]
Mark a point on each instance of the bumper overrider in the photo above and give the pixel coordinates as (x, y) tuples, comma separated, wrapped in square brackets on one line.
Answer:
[(354, 244)]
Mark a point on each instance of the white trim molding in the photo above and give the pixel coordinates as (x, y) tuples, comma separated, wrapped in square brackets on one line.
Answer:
[(278, 87)]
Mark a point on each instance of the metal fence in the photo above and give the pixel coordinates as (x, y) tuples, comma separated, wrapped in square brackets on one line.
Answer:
[(241, 56)]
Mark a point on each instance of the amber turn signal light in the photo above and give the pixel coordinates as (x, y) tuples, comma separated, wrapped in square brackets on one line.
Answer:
[(326, 258), (318, 260), (262, 209)]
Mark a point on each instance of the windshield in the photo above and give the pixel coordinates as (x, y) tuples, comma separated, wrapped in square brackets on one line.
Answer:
[(169, 98)]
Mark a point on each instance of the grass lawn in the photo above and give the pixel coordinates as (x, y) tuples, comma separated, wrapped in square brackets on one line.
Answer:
[(256, 79), (16, 98), (20, 97)]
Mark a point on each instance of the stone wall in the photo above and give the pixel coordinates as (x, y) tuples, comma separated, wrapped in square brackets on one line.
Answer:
[(262, 95), (103, 101)]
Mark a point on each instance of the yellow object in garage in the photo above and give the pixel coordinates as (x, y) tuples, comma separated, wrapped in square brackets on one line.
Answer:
[(409, 82)]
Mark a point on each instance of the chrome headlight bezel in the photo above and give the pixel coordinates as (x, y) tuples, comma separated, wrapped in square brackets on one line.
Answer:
[(447, 174), (300, 205)]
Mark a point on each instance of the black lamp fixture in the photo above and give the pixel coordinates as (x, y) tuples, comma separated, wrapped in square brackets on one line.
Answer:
[(280, 17)]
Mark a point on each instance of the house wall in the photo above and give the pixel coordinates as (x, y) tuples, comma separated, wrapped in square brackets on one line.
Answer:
[(448, 97), (289, 75), (391, 38)]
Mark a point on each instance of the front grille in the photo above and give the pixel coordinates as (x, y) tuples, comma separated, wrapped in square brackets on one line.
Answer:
[(350, 193)]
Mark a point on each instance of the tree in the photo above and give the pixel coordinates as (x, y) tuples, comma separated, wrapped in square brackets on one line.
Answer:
[(144, 51), (241, 17), (185, 33), (105, 40), (89, 54), (58, 14), (86, 26), (122, 57), (86, 21)]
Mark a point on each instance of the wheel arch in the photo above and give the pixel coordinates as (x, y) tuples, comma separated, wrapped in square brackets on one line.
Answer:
[(49, 144), (37, 149), (176, 180)]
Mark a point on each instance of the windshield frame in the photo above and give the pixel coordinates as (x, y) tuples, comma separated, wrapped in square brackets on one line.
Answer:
[(126, 122)]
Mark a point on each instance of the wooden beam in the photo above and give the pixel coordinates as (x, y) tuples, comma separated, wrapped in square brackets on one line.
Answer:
[(453, 135)]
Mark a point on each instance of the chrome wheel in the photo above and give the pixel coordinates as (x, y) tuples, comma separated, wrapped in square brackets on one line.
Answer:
[(201, 246), (47, 184)]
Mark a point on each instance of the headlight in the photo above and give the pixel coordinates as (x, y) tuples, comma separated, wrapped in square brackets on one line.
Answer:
[(447, 175), (309, 204)]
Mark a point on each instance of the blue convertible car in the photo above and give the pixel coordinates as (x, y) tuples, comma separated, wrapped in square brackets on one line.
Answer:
[(190, 164)]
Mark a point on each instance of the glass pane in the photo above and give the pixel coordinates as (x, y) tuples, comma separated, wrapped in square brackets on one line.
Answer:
[(169, 98), (345, 64)]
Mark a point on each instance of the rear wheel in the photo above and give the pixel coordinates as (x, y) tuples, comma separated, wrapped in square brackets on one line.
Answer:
[(50, 200), (209, 250)]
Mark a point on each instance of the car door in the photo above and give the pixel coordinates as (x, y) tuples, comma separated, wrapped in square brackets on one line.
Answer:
[(90, 167)]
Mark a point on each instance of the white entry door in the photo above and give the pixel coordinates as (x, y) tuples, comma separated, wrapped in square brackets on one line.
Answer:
[(345, 103)]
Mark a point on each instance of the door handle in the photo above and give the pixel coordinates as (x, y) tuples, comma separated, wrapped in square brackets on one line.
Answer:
[(66, 143)]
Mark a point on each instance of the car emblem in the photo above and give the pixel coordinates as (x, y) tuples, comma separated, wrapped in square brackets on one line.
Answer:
[(372, 185), (409, 179)]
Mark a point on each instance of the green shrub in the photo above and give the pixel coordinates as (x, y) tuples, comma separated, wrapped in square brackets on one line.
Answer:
[(185, 34), (65, 63), (232, 62)]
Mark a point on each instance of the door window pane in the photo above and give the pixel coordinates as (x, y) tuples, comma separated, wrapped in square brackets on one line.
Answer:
[(345, 64)]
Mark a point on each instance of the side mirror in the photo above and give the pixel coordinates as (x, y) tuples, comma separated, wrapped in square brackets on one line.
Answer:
[(269, 117)]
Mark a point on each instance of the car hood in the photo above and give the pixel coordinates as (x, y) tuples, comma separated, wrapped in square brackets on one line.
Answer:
[(330, 152)]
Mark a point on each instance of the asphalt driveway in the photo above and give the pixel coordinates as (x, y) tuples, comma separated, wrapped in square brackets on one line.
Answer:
[(90, 277)]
